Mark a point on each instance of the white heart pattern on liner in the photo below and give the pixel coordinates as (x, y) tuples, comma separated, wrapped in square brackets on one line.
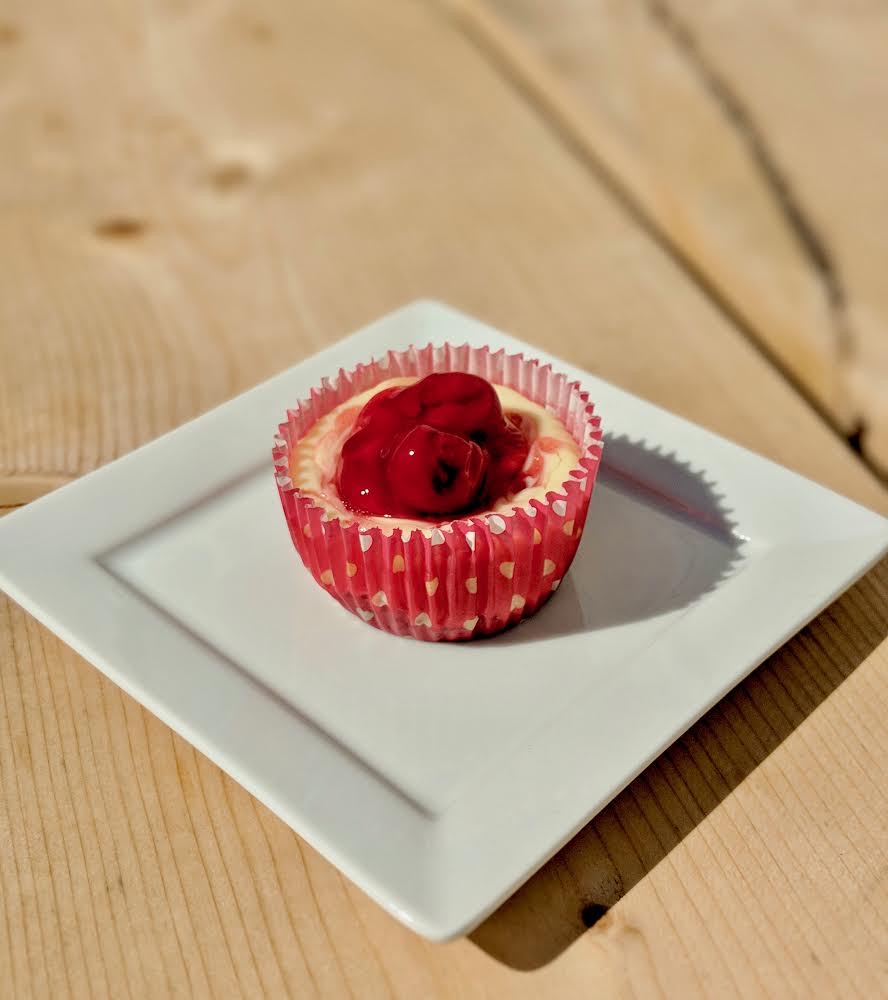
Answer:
[(559, 507), (365, 541)]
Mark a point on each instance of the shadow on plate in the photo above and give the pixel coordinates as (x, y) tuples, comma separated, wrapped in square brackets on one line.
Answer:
[(619, 847), (658, 538)]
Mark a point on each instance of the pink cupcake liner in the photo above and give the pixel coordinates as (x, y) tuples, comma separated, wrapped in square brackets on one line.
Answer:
[(459, 579)]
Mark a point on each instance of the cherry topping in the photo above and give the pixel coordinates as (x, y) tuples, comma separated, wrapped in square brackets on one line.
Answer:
[(439, 446), (459, 403)]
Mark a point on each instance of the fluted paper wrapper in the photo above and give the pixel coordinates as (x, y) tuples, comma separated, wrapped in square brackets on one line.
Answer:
[(458, 579)]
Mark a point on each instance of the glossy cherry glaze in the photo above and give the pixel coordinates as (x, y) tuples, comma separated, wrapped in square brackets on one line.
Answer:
[(439, 447)]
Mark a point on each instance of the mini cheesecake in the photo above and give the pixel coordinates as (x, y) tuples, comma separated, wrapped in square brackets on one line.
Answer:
[(439, 504)]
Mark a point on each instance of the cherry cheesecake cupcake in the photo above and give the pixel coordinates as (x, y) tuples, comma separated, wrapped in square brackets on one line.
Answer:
[(440, 492)]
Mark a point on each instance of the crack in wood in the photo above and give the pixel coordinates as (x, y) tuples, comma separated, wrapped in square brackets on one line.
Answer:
[(738, 115)]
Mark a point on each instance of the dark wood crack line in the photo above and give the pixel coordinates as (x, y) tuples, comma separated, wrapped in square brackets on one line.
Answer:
[(744, 124)]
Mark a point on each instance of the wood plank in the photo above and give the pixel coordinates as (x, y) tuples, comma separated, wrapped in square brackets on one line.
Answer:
[(752, 135), (192, 230), (198, 194)]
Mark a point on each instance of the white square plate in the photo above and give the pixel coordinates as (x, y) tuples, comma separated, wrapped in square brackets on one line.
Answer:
[(437, 777)]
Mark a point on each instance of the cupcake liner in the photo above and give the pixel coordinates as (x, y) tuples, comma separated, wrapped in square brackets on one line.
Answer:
[(460, 579)]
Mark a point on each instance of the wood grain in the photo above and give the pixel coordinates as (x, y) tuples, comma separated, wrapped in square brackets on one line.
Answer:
[(199, 193), (752, 135)]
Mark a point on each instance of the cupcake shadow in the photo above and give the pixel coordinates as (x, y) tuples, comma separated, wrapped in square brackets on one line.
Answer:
[(658, 538)]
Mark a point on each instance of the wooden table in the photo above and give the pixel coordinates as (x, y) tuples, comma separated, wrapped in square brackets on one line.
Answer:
[(197, 193)]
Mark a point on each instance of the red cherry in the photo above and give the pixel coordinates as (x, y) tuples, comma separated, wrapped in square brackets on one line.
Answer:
[(459, 403), (387, 412), (436, 472), (360, 484), (508, 453), (391, 407)]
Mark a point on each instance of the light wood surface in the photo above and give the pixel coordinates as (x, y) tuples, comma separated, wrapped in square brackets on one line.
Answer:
[(753, 136), (196, 194)]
